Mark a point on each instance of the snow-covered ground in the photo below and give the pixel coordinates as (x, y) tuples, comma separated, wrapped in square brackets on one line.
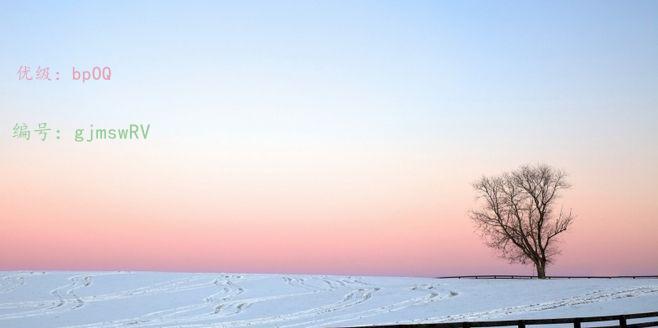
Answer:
[(191, 300)]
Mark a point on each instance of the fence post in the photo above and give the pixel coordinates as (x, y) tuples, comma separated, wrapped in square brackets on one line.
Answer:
[(576, 323), (622, 321)]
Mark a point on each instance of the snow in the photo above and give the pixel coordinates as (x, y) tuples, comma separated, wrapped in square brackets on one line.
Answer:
[(195, 300)]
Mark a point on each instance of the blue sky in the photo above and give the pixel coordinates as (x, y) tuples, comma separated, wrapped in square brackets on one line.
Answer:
[(456, 88)]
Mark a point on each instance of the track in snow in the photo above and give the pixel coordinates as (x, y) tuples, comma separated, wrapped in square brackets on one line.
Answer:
[(196, 300)]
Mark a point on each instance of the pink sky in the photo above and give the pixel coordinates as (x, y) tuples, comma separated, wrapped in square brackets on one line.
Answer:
[(324, 136), (307, 212)]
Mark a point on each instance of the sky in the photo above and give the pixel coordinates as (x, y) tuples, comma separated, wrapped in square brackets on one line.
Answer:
[(324, 136)]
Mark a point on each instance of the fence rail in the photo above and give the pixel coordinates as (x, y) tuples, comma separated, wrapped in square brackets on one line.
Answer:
[(504, 276), (621, 322)]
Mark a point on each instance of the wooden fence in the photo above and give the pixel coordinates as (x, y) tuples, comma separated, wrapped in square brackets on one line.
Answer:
[(503, 276), (613, 321), (620, 321)]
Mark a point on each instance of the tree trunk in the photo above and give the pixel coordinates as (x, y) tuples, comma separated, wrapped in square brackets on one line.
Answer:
[(541, 269)]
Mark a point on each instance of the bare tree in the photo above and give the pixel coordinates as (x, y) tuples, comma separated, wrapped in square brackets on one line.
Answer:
[(517, 215)]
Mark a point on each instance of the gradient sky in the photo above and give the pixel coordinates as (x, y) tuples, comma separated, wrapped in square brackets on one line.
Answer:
[(325, 137)]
